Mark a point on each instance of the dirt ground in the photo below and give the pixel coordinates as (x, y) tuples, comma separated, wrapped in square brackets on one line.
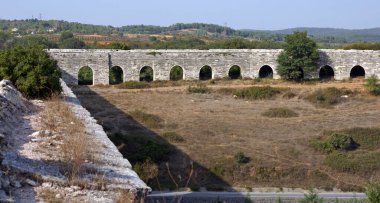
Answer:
[(216, 126)]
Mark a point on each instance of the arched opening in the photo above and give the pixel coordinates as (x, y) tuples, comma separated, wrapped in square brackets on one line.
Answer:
[(116, 75), (176, 73), (85, 76), (357, 71), (205, 73), (326, 73), (146, 74), (234, 72), (266, 72)]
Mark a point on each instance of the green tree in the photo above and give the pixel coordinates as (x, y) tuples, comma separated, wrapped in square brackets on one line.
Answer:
[(32, 71), (118, 45), (311, 197), (67, 41), (300, 55)]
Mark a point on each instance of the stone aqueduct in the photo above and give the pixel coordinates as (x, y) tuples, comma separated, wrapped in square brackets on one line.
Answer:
[(343, 64)]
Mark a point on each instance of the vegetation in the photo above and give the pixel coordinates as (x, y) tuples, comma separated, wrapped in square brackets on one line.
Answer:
[(362, 46), (67, 41), (336, 141), (372, 85), (241, 158), (146, 74), (373, 193), (150, 120), (328, 97), (199, 88), (146, 170), (116, 75), (173, 137), (133, 85), (257, 92), (32, 71), (176, 73), (281, 112), (300, 56), (85, 76), (311, 197)]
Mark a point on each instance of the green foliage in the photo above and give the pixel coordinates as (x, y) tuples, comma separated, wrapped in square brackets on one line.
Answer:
[(372, 85), (205, 73), (85, 76), (300, 55), (328, 97), (134, 85), (354, 162), (257, 92), (176, 73), (118, 45), (373, 193), (340, 141), (152, 121), (34, 41), (362, 46), (199, 88), (241, 158), (311, 197), (146, 74), (173, 137), (32, 71), (67, 41), (281, 112), (234, 73), (116, 75)]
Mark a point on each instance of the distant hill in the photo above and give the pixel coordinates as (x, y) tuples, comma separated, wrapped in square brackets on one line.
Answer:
[(323, 35)]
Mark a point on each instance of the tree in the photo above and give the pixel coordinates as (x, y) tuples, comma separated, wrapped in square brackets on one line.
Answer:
[(118, 45), (300, 55), (32, 71), (67, 41)]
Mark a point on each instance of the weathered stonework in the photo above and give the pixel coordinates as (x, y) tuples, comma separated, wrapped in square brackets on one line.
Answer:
[(249, 60)]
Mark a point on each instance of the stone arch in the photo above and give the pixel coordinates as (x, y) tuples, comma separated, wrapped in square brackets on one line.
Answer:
[(205, 73), (176, 73), (266, 72), (326, 72), (357, 71), (116, 75), (234, 72), (85, 76), (146, 74)]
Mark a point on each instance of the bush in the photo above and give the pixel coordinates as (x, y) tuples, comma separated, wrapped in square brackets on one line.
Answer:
[(255, 92), (354, 162), (31, 70), (280, 113), (328, 97), (372, 86), (373, 193), (173, 137), (340, 141), (311, 197), (199, 88), (146, 170), (240, 158)]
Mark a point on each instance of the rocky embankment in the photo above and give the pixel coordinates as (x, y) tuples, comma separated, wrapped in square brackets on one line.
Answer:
[(31, 169)]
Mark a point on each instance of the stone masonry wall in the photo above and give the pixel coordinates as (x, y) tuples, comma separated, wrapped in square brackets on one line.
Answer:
[(250, 61)]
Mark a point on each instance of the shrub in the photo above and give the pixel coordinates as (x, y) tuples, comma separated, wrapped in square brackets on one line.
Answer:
[(240, 158), (372, 86), (354, 162), (146, 170), (173, 137), (31, 70), (199, 88), (373, 193), (311, 197), (280, 113), (133, 85), (289, 95), (328, 97), (340, 141), (255, 92)]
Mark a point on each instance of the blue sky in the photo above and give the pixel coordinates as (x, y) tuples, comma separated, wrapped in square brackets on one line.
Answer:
[(239, 14)]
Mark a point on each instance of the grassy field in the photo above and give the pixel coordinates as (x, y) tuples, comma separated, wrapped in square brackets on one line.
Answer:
[(194, 138)]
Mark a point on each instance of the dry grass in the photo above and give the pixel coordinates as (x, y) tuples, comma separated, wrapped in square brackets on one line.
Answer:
[(49, 195), (58, 118), (217, 126)]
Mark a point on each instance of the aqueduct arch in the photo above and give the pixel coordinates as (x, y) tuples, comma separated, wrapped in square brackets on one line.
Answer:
[(249, 61)]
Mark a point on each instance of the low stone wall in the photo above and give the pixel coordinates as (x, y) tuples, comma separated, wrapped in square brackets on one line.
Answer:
[(116, 169)]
